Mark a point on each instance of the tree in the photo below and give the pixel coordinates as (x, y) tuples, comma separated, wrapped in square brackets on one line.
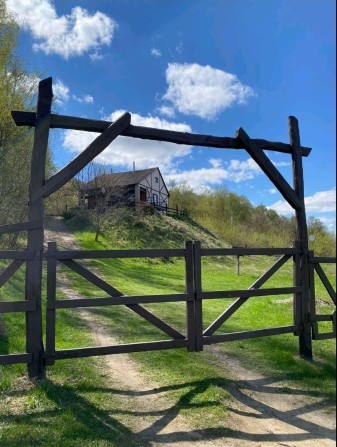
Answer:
[(17, 92), (100, 191)]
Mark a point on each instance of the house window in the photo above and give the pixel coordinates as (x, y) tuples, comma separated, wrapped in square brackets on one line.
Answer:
[(155, 199), (156, 179)]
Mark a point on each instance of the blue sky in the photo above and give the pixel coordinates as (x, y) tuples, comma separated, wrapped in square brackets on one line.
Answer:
[(202, 66)]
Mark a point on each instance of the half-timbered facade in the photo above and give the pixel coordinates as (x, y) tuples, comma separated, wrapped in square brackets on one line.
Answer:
[(139, 188)]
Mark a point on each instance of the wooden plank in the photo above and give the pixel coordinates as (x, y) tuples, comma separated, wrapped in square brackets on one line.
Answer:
[(33, 280), (139, 310), (325, 336), (305, 335), (117, 301), (233, 336), (251, 293), (323, 317), (51, 301), (63, 176), (11, 359), (270, 170), (13, 254), (16, 306), (21, 226), (247, 251), (104, 254), (9, 271), (189, 286), (297, 281), (148, 133), (238, 303), (323, 260), (120, 349), (312, 297), (326, 282), (198, 291)]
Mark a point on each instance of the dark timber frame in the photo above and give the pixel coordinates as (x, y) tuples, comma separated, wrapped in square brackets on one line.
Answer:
[(305, 323)]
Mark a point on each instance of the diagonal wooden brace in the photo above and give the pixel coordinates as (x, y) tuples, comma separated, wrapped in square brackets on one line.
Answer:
[(56, 181), (139, 310), (269, 169)]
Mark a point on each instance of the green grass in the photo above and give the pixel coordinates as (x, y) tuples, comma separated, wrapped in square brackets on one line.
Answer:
[(277, 355), (78, 406)]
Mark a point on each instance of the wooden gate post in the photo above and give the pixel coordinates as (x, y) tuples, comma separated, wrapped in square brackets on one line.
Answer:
[(33, 284), (302, 236)]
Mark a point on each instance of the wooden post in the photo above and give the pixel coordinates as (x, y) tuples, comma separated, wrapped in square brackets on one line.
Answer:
[(302, 236), (190, 314), (198, 301), (51, 299), (33, 284)]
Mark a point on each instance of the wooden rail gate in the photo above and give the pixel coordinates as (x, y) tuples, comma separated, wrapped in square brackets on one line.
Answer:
[(305, 264)]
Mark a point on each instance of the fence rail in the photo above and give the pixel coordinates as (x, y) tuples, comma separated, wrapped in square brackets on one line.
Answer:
[(195, 336)]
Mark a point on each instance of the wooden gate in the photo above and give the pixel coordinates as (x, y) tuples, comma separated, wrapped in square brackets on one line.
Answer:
[(40, 188)]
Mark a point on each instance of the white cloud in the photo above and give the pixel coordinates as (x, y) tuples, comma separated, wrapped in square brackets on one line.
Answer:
[(320, 202), (272, 191), (215, 162), (125, 150), (204, 178), (203, 91), (166, 111), (60, 91), (69, 35), (87, 99), (155, 52)]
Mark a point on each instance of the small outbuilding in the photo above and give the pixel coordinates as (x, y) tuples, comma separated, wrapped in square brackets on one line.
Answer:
[(141, 188)]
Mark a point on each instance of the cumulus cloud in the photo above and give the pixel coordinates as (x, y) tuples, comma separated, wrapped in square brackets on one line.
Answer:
[(166, 111), (68, 35), (155, 52), (61, 92), (199, 179), (320, 202), (124, 150), (215, 162), (203, 91), (87, 99)]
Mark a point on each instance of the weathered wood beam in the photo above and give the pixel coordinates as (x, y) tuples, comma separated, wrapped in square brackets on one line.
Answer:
[(56, 181), (21, 226), (303, 269), (269, 169), (10, 270), (33, 280), (149, 133)]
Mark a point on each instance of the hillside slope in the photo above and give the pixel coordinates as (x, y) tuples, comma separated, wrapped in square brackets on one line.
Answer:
[(127, 229)]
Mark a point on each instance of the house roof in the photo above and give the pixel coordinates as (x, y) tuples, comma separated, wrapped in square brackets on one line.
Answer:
[(121, 179)]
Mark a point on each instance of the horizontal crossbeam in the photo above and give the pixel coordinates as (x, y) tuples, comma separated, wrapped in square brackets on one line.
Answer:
[(148, 133)]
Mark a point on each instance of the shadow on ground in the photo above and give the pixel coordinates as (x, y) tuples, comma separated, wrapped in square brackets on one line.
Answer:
[(75, 419)]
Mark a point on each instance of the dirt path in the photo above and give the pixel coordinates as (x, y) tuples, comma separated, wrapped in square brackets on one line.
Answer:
[(262, 412)]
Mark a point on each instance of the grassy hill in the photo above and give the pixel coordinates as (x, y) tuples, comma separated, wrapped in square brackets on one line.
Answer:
[(123, 228)]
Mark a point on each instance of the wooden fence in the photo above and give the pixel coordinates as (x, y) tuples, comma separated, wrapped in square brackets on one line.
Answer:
[(195, 337), (41, 188)]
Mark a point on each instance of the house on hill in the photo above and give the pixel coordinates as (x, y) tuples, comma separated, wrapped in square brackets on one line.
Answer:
[(141, 188)]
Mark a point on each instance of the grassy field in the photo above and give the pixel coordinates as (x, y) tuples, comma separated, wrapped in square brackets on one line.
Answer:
[(76, 405)]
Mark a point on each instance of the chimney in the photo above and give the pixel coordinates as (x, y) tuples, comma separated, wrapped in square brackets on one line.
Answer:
[(134, 166)]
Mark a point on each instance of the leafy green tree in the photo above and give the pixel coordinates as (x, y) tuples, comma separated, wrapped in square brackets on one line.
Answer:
[(17, 92)]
